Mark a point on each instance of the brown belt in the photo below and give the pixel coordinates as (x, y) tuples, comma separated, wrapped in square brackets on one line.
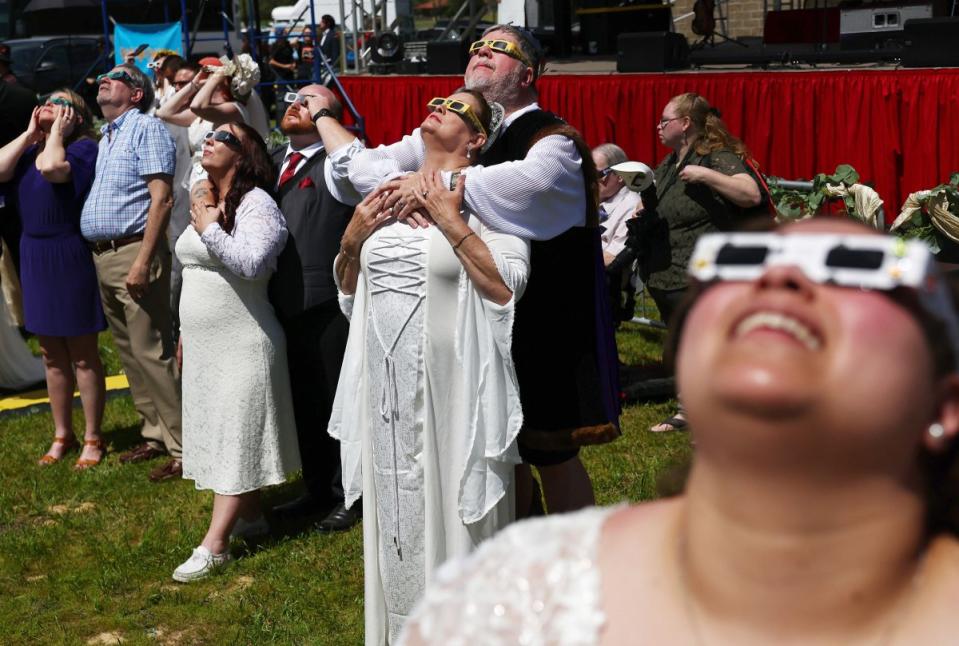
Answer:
[(99, 246)]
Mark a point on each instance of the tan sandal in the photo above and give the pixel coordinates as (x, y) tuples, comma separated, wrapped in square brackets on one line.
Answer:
[(87, 463), (68, 445)]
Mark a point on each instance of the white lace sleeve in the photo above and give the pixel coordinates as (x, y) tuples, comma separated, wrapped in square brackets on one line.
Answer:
[(534, 583), (259, 235)]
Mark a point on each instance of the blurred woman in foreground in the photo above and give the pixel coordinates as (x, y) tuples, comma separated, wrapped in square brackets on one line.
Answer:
[(818, 366)]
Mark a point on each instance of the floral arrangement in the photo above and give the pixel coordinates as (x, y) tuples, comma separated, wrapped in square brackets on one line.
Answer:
[(244, 74), (931, 215)]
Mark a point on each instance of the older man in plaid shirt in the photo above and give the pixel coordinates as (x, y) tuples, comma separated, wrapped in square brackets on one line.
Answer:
[(125, 219)]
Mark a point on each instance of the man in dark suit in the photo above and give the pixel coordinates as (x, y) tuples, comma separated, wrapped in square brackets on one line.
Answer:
[(305, 298)]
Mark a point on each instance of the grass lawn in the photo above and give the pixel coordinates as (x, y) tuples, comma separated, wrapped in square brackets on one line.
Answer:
[(86, 558)]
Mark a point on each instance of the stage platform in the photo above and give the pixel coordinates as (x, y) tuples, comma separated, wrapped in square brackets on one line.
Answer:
[(898, 128)]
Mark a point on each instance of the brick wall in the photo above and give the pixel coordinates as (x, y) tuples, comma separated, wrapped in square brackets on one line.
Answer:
[(745, 18)]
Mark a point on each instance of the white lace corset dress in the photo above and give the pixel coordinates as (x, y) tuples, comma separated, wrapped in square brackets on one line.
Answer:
[(395, 267), (238, 429)]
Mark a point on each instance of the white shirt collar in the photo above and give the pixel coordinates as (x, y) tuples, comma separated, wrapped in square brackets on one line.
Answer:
[(516, 115), (307, 152)]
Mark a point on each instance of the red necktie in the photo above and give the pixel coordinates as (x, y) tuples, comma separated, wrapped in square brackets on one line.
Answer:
[(290, 169)]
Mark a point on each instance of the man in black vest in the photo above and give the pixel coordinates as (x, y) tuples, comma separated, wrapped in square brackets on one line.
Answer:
[(305, 298), (565, 359)]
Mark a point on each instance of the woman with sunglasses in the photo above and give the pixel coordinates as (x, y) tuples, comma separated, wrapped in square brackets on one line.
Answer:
[(52, 163), (427, 407), (238, 430), (818, 366), (701, 185)]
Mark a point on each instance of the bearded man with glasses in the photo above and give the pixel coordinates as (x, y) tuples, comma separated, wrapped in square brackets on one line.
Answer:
[(538, 182), (125, 221)]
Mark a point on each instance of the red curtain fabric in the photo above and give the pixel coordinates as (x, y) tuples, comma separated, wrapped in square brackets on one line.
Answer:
[(898, 128)]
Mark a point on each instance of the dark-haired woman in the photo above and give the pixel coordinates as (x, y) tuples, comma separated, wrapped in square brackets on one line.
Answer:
[(427, 408), (53, 163), (238, 430), (821, 503), (700, 185)]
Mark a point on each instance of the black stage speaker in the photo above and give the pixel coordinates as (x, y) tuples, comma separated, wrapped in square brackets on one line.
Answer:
[(655, 51), (601, 25), (446, 57), (931, 42)]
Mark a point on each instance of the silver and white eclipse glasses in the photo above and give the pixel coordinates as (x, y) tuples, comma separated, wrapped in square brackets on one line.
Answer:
[(847, 260)]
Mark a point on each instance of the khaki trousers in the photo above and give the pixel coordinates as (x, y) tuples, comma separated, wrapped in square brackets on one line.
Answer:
[(142, 331)]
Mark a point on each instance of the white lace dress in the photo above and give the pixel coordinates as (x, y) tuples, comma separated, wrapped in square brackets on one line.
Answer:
[(238, 428), (427, 411), (536, 583)]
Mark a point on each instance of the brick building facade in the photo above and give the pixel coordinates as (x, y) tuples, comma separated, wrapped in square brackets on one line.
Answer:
[(745, 18)]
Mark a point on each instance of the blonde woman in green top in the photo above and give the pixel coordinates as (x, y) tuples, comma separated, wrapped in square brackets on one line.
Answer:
[(701, 185)]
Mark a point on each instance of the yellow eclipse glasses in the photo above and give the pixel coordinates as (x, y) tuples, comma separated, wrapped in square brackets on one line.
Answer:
[(463, 109)]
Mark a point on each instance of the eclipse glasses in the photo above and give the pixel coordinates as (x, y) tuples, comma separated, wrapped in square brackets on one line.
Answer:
[(847, 260)]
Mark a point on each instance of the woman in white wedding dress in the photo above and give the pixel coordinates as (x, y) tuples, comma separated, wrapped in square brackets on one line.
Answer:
[(238, 430), (818, 366), (427, 407)]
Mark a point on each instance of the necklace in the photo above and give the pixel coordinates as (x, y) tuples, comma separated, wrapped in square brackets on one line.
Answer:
[(886, 636)]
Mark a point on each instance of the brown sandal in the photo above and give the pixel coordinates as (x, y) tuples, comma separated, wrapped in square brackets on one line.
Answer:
[(68, 445), (86, 463)]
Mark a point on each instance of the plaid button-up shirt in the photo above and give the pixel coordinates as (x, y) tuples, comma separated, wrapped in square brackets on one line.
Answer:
[(132, 146)]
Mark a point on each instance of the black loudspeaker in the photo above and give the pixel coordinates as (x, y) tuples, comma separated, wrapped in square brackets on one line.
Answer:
[(655, 51), (601, 25), (446, 57), (931, 42)]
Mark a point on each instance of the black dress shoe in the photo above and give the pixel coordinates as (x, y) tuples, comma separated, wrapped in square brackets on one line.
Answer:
[(341, 518), (305, 505)]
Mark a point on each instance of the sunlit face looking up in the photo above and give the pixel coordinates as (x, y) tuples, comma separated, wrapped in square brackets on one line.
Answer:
[(496, 74), (222, 148), (453, 131), (798, 361)]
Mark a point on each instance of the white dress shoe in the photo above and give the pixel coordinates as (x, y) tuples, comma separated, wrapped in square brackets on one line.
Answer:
[(250, 529), (199, 565)]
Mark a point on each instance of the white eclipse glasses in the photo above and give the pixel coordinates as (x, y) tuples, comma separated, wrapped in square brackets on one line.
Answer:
[(293, 97), (847, 260)]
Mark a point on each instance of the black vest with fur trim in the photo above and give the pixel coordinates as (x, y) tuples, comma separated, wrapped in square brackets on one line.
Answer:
[(561, 335)]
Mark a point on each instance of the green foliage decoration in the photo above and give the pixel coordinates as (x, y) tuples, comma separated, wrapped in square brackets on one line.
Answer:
[(920, 224), (792, 204)]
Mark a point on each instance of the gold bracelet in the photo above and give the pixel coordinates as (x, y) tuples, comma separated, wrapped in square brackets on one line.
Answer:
[(462, 240)]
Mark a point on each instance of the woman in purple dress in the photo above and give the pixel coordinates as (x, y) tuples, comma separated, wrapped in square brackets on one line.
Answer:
[(52, 165)]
